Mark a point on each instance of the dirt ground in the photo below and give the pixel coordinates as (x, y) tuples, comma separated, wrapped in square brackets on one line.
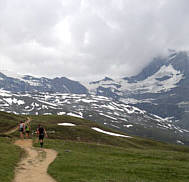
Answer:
[(33, 167)]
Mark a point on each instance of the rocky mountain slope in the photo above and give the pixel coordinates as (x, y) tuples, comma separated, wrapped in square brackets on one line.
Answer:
[(161, 88), (100, 109), (21, 83)]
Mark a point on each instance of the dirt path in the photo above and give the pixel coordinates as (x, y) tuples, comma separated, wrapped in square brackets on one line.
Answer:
[(11, 131), (34, 166)]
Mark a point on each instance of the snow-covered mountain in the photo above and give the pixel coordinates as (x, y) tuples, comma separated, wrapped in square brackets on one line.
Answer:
[(150, 104), (113, 114), (161, 88), (165, 79), (158, 77)]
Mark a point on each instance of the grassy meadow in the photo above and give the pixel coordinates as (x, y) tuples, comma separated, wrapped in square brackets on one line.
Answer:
[(82, 162), (85, 155), (9, 157)]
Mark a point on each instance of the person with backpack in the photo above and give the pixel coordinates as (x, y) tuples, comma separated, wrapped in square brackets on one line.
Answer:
[(27, 129), (21, 129), (41, 132)]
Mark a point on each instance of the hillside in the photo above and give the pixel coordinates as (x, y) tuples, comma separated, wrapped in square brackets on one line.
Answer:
[(85, 154)]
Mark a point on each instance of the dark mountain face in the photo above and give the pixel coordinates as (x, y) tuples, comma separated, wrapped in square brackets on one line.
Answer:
[(64, 85), (181, 62), (33, 84), (152, 68)]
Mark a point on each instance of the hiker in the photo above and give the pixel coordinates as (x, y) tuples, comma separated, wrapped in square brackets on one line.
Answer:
[(41, 132), (27, 129), (21, 129)]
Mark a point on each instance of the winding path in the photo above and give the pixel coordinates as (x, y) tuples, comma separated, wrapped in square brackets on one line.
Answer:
[(33, 167)]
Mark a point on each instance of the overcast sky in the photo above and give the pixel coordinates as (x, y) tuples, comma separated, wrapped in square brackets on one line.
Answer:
[(89, 39)]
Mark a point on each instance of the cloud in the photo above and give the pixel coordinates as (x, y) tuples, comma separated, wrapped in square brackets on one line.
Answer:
[(88, 39)]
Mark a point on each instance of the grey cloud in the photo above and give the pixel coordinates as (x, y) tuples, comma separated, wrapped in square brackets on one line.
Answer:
[(89, 38)]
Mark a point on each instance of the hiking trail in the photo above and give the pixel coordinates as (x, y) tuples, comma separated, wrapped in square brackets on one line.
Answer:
[(34, 166)]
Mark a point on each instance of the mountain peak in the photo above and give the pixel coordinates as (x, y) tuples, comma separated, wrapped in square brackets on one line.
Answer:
[(180, 62), (103, 80), (149, 70), (9, 73), (107, 79)]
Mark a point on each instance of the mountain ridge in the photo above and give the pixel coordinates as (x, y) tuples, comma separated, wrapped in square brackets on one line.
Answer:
[(21, 83)]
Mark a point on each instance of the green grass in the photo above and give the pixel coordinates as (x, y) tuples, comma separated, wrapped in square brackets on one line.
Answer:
[(85, 155), (82, 132), (82, 162), (97, 157), (9, 157)]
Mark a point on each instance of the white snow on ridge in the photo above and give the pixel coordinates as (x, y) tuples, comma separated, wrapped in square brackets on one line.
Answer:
[(75, 115), (86, 100), (180, 142), (11, 74), (152, 85), (61, 113), (32, 82), (128, 126), (110, 133), (108, 116), (108, 107), (20, 77), (100, 98), (5, 93), (14, 100)]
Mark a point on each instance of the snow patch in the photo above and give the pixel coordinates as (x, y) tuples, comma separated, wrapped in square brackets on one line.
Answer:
[(14, 100), (108, 116), (75, 115), (109, 133), (61, 113), (66, 124), (180, 142), (128, 126), (47, 114)]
